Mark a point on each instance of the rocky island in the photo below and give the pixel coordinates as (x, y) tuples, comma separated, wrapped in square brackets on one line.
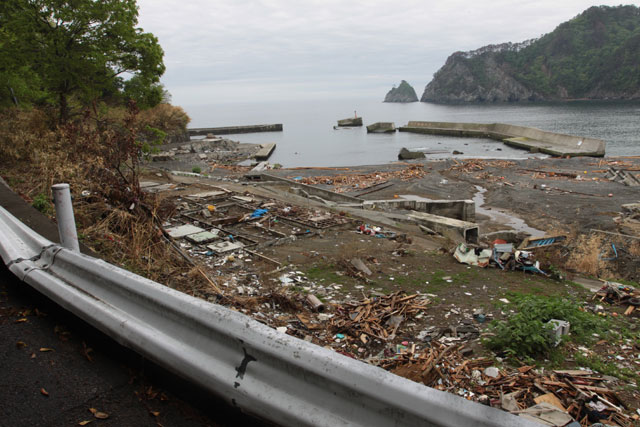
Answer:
[(595, 55), (403, 93)]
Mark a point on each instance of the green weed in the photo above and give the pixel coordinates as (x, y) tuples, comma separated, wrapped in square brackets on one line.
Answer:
[(595, 363), (526, 334), (42, 203)]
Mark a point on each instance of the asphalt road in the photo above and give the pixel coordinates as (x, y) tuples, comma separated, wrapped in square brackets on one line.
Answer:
[(57, 370)]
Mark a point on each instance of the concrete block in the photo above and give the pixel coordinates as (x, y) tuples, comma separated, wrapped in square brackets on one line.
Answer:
[(223, 247), (468, 231), (560, 328), (203, 237), (183, 230)]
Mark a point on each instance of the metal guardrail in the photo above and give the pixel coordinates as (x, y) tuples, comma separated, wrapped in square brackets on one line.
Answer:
[(253, 367)]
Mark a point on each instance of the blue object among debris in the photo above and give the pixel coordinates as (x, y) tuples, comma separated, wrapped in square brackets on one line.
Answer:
[(543, 241), (615, 254), (258, 213)]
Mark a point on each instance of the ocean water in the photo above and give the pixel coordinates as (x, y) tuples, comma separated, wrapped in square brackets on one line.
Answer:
[(309, 137)]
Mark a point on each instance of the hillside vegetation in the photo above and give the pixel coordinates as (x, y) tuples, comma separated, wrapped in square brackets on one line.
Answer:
[(81, 103), (595, 55)]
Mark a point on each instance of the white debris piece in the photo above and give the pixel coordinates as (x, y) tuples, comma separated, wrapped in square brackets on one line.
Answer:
[(183, 230)]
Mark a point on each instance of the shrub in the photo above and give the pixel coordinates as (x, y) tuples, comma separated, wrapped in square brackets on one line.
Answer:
[(527, 334), (24, 134), (166, 117), (42, 203), (196, 169)]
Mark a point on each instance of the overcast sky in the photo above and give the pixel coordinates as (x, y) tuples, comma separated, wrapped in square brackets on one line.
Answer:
[(219, 51)]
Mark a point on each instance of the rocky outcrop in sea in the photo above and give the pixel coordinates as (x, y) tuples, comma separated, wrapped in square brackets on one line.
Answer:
[(403, 93)]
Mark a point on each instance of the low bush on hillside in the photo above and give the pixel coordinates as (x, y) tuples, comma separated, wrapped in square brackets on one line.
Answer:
[(526, 334)]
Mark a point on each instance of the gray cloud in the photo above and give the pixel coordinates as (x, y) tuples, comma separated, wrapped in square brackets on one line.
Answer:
[(266, 49)]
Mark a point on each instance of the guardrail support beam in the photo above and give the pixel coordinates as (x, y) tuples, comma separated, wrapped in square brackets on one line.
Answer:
[(64, 215)]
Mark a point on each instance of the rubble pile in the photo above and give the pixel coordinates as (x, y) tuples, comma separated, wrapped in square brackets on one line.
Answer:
[(377, 316), (580, 395), (619, 294), (349, 182), (628, 221), (236, 169), (413, 335), (475, 165), (501, 255)]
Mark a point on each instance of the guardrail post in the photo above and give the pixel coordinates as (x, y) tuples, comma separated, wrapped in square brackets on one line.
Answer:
[(64, 215)]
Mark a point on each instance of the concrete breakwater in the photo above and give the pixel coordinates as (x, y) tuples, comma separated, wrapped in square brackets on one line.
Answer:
[(235, 129), (381, 127), (535, 140)]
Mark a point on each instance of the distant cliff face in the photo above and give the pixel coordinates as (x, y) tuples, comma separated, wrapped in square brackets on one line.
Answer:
[(403, 93), (596, 55), (457, 81)]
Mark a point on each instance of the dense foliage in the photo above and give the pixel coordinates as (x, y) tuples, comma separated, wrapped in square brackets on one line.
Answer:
[(70, 53), (527, 333), (594, 55)]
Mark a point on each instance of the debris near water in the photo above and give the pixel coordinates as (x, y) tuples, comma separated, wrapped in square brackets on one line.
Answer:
[(622, 176), (475, 165), (349, 182)]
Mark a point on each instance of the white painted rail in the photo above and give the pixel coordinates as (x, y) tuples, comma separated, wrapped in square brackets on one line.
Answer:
[(253, 367)]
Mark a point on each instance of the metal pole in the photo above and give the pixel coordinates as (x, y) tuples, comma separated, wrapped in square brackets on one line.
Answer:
[(64, 214)]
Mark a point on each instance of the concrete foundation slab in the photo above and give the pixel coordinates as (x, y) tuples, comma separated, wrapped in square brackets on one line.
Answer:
[(208, 194), (183, 230), (468, 231), (223, 247), (464, 210), (204, 237)]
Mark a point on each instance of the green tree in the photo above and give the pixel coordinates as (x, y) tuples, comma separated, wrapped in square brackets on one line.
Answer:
[(59, 51)]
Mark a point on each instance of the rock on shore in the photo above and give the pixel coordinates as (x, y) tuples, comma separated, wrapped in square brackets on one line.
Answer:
[(403, 93)]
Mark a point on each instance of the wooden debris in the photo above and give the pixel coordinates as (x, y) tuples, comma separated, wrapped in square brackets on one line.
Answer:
[(475, 165), (379, 317), (550, 398), (515, 390), (350, 182)]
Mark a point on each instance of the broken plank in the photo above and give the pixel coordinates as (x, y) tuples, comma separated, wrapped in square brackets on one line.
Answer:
[(550, 398)]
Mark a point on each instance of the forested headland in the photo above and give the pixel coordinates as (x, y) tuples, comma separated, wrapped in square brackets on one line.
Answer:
[(595, 55)]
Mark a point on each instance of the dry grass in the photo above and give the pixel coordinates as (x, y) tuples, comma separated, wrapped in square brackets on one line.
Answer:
[(97, 155), (593, 255), (165, 116), (584, 256)]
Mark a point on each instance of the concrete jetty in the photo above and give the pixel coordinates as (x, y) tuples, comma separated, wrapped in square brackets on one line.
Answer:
[(535, 140), (381, 127), (235, 129), (265, 151), (355, 121)]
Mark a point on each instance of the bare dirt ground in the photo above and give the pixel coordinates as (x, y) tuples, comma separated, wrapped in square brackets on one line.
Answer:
[(397, 298), (274, 280)]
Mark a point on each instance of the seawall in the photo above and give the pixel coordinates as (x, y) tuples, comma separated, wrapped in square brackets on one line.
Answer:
[(235, 129), (535, 140)]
